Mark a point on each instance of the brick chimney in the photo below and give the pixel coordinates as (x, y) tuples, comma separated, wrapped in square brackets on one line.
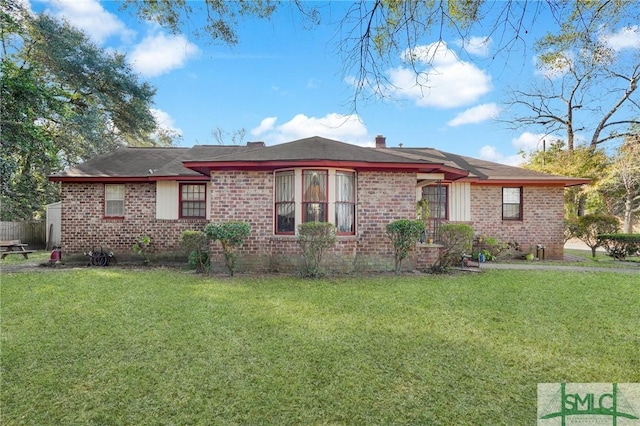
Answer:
[(258, 144), (381, 141)]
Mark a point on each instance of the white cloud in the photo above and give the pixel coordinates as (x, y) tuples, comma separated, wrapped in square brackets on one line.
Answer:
[(475, 115), (625, 38), (158, 54), (478, 46), (445, 81), (165, 121), (90, 17), (490, 153), (265, 126), (528, 141), (347, 128)]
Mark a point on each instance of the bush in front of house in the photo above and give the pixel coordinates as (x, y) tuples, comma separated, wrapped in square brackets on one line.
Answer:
[(457, 239), (619, 246), (141, 246), (196, 245), (491, 247), (590, 226), (231, 236), (315, 238), (404, 234)]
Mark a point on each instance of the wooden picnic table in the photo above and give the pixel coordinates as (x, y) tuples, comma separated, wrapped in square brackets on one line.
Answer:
[(14, 247)]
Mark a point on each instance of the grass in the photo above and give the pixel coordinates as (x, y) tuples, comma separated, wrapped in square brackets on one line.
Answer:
[(39, 256), (602, 259), (113, 346)]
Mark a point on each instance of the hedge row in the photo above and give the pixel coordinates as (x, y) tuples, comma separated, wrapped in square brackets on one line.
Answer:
[(619, 246)]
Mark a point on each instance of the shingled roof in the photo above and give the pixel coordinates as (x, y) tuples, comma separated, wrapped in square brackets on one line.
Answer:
[(196, 163), (481, 170)]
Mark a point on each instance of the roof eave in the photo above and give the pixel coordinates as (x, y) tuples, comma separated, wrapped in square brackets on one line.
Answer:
[(126, 179), (530, 181), (205, 167)]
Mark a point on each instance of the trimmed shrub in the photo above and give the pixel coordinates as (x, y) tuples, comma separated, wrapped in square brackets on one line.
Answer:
[(196, 245), (591, 225), (404, 234), (619, 246), (315, 238), (231, 236), (457, 239)]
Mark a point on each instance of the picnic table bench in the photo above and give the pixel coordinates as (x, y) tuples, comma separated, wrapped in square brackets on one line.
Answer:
[(14, 247)]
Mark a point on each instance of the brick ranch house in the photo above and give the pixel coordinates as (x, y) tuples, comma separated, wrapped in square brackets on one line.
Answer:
[(160, 192)]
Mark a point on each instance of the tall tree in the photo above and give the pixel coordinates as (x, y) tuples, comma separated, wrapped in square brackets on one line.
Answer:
[(223, 137), (64, 100), (587, 83), (582, 162)]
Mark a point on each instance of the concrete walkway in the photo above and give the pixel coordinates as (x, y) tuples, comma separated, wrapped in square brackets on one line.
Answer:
[(542, 266)]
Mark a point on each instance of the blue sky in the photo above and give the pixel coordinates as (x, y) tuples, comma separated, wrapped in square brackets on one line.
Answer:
[(285, 81)]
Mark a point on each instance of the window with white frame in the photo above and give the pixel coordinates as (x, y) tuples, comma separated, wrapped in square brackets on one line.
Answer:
[(315, 195), (193, 200), (285, 202), (512, 203), (114, 200), (345, 202)]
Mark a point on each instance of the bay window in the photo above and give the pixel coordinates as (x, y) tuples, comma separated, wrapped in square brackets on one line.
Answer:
[(315, 200), (285, 203), (312, 195), (345, 202)]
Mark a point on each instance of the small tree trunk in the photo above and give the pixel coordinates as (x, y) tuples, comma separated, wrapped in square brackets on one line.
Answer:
[(582, 203), (627, 225)]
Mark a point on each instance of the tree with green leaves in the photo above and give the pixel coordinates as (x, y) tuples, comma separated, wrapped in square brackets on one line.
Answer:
[(621, 185), (582, 162), (65, 100), (589, 227)]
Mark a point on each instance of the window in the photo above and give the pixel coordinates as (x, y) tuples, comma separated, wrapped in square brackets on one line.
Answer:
[(345, 202), (285, 202), (437, 198), (325, 195), (193, 200), (511, 203), (315, 200), (114, 200)]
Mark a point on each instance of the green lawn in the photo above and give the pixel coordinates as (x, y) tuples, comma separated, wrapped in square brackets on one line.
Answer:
[(112, 346)]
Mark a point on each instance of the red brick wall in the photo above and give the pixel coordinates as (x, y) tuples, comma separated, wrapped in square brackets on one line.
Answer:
[(543, 215), (84, 225), (382, 198), (247, 196)]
